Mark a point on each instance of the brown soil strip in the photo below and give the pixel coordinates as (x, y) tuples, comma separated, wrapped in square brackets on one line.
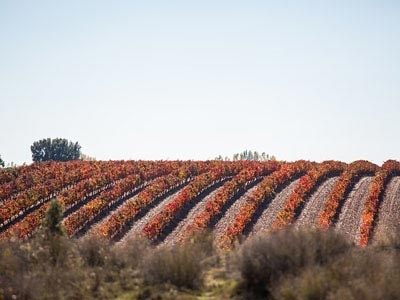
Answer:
[(110, 213), (106, 212), (227, 219), (138, 226), (268, 216), (315, 204), (349, 220), (388, 222), (176, 234)]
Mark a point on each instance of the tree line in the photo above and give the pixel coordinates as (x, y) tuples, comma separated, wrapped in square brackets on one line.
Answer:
[(248, 155)]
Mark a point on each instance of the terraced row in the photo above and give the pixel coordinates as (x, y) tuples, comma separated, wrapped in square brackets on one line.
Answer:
[(170, 202)]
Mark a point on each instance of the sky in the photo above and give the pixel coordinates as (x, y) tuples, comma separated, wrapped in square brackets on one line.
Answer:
[(186, 79)]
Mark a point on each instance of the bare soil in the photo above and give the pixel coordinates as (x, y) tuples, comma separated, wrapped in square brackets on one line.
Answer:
[(349, 220), (388, 221), (176, 234), (268, 216), (229, 216), (315, 204), (138, 226), (101, 222)]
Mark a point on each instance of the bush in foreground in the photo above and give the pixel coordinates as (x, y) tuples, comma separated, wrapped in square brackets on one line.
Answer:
[(182, 265), (359, 274), (264, 260), (302, 264)]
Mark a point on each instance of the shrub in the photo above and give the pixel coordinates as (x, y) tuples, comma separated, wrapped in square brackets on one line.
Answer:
[(387, 240), (94, 251), (182, 264), (263, 260), (358, 274), (52, 237), (13, 265), (131, 253), (28, 271)]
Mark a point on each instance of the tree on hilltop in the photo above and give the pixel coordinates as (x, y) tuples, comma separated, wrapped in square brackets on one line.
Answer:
[(247, 155), (86, 157), (1, 162), (253, 155), (55, 149)]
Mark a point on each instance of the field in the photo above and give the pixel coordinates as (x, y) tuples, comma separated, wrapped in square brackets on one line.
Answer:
[(167, 201), (200, 230)]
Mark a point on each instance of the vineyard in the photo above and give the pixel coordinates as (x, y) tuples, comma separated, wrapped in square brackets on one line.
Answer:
[(168, 201)]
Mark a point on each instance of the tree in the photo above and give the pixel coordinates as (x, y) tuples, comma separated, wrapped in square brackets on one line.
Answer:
[(54, 233), (1, 162), (52, 223), (86, 157), (55, 149), (250, 155)]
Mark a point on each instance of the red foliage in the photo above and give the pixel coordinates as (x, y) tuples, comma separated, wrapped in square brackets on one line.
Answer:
[(160, 186), (353, 172), (229, 190), (377, 187), (16, 180), (307, 183), (265, 190), (154, 228), (118, 191), (107, 175), (60, 176), (29, 188)]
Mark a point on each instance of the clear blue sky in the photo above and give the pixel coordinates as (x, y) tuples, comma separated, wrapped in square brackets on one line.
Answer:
[(193, 79)]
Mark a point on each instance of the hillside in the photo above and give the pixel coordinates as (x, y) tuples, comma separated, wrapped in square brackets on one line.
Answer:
[(166, 201)]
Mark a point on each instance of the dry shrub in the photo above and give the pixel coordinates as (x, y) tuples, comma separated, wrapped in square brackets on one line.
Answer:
[(359, 274), (321, 246), (314, 283), (13, 265), (182, 264), (94, 251), (40, 268), (387, 240), (131, 253), (264, 260)]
